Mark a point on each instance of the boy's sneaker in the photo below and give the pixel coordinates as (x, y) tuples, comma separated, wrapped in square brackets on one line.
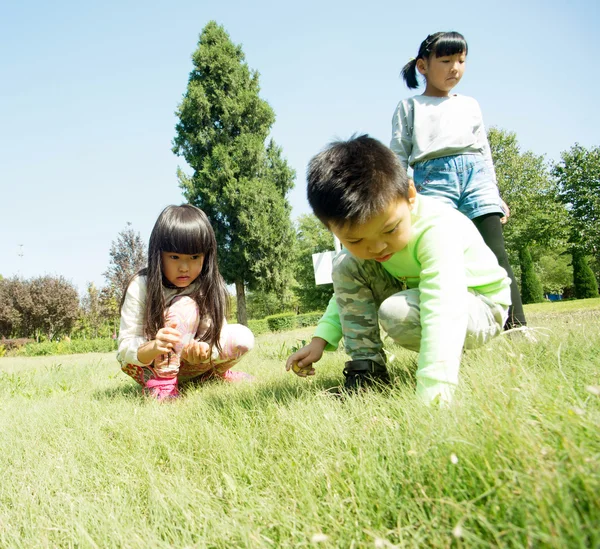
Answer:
[(361, 374), (162, 388)]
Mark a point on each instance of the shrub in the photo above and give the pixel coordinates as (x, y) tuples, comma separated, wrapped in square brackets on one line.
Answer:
[(583, 277), (531, 287), (14, 344), (66, 347), (308, 319), (258, 326), (281, 322)]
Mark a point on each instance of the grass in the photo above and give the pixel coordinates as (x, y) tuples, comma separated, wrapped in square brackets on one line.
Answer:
[(87, 462)]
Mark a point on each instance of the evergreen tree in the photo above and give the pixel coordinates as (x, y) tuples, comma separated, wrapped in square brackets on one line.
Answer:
[(531, 288), (584, 280), (239, 182)]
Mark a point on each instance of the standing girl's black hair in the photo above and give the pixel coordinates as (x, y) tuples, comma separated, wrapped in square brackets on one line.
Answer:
[(439, 44), (185, 230)]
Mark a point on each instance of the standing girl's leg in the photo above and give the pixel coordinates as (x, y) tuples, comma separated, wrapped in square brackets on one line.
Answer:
[(490, 229)]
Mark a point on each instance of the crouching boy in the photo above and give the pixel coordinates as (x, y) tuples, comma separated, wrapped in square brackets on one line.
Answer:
[(457, 296)]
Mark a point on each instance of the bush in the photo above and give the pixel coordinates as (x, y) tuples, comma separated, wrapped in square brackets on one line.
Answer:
[(583, 277), (258, 327), (66, 347), (289, 321), (281, 322), (531, 287), (308, 319), (14, 344)]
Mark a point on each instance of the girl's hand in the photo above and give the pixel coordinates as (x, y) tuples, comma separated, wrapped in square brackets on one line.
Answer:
[(166, 339), (196, 352), (302, 360), (506, 209)]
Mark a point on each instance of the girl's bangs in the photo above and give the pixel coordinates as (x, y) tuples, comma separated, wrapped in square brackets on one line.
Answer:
[(450, 44), (188, 239)]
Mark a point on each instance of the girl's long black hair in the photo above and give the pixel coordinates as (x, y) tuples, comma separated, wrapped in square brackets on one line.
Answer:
[(439, 44), (185, 230)]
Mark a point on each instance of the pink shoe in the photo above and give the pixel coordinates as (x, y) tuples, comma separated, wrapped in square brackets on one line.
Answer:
[(161, 388), (236, 377)]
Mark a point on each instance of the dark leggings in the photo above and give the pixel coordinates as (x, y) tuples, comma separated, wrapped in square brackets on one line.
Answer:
[(490, 229)]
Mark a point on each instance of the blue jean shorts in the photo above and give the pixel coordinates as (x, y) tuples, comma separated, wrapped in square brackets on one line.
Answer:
[(463, 181)]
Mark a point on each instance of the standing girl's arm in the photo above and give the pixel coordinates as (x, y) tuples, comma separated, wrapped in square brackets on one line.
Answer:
[(402, 123), (484, 145)]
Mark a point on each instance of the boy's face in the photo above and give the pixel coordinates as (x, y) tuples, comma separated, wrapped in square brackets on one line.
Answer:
[(383, 235)]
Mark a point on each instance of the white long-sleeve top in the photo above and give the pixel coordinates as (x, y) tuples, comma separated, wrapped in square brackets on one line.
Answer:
[(131, 331), (426, 127)]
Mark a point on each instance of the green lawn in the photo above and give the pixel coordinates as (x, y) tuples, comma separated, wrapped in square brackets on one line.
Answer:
[(86, 462)]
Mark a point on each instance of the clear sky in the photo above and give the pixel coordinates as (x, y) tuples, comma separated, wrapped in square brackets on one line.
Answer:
[(88, 92)]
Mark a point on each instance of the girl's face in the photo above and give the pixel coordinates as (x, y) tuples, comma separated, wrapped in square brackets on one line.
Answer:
[(442, 73), (181, 269)]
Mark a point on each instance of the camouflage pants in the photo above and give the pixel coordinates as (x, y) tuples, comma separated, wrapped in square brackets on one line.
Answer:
[(235, 339), (368, 296)]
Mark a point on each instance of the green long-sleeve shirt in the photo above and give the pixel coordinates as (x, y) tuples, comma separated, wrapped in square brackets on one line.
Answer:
[(445, 258)]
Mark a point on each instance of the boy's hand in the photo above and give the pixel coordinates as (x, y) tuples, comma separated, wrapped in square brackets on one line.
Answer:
[(302, 360), (196, 352)]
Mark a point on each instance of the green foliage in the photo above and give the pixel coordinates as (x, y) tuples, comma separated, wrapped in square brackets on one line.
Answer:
[(531, 288), (67, 347), (555, 271), (2, 350), (312, 237), (290, 321), (578, 176), (239, 182), (10, 318), (537, 216), (262, 303), (308, 319), (584, 280), (258, 327), (44, 306), (281, 322)]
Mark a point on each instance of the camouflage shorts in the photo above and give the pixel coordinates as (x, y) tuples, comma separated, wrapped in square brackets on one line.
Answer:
[(369, 297)]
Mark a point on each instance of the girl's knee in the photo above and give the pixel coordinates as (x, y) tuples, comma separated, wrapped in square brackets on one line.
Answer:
[(239, 339)]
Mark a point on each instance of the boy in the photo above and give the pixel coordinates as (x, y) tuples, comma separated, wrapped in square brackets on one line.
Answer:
[(458, 294)]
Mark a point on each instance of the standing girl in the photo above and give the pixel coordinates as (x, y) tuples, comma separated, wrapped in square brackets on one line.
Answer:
[(442, 137), (173, 325)]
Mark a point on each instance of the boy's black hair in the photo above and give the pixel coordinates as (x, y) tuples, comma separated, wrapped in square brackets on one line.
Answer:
[(439, 44), (351, 181)]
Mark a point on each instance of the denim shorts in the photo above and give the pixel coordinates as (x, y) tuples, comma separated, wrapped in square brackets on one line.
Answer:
[(463, 181)]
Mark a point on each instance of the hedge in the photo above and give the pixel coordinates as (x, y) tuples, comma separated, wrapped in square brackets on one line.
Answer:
[(65, 347), (289, 321)]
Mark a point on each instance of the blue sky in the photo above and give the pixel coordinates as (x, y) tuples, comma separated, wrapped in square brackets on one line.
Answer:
[(88, 92)]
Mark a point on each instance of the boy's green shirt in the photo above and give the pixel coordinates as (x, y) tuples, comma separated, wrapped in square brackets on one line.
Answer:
[(445, 258)]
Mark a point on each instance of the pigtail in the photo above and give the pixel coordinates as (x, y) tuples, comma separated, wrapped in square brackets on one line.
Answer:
[(409, 73)]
